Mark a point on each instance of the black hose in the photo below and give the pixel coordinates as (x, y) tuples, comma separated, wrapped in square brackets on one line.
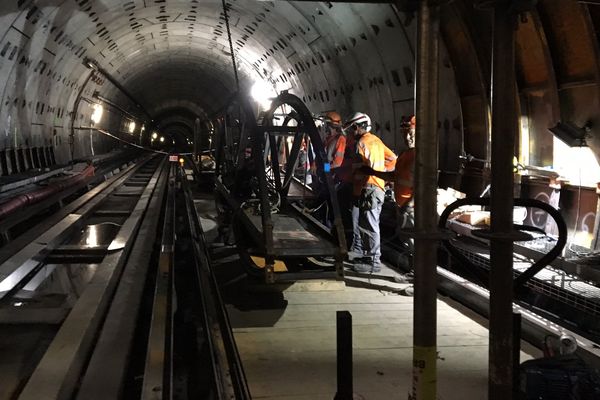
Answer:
[(524, 277)]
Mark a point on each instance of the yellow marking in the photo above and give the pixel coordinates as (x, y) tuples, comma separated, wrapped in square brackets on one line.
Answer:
[(260, 263), (424, 373)]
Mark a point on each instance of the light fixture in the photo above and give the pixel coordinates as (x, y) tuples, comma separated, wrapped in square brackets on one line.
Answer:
[(162, 139), (262, 93), (571, 134), (131, 126), (154, 135), (97, 114), (91, 64)]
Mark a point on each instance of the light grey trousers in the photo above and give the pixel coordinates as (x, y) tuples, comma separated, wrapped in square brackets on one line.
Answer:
[(366, 239)]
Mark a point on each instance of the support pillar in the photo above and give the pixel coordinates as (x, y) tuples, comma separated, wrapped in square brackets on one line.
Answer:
[(197, 141), (504, 131), (424, 385)]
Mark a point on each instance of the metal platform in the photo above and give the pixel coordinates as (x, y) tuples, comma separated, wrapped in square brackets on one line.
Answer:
[(293, 237)]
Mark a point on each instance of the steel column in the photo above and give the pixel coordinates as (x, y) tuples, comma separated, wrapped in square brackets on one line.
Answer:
[(424, 385), (197, 157), (504, 125), (345, 385)]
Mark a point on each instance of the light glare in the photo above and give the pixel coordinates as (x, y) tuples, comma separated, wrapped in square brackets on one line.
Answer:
[(262, 93), (97, 114)]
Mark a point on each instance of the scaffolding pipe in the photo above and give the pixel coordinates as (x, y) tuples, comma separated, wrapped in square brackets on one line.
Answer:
[(197, 141), (504, 127), (424, 385)]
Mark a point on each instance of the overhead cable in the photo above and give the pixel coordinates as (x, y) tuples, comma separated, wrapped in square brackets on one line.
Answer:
[(235, 73)]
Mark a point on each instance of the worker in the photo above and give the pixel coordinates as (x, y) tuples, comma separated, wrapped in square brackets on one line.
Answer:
[(401, 174), (335, 139), (339, 150), (368, 193)]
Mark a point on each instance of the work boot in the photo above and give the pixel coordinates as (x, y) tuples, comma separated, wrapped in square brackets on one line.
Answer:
[(365, 265), (353, 255)]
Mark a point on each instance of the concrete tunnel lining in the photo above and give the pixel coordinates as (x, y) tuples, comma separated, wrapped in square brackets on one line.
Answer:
[(332, 55)]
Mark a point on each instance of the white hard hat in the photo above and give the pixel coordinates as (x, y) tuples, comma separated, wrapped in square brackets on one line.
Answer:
[(568, 344), (359, 119)]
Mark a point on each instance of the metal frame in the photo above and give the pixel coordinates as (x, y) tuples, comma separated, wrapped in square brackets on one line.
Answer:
[(264, 140)]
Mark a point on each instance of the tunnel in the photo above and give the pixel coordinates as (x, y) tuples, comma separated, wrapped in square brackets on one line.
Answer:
[(158, 65), (87, 80), (162, 64)]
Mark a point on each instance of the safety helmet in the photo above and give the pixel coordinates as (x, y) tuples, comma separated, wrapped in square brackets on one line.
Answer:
[(359, 119), (333, 118), (408, 122)]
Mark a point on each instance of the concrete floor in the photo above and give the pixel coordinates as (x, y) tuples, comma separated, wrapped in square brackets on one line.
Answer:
[(289, 352), (286, 336)]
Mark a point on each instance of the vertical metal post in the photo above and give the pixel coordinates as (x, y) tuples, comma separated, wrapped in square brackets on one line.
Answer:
[(197, 141), (424, 385), (345, 385), (504, 125), (516, 352), (596, 241)]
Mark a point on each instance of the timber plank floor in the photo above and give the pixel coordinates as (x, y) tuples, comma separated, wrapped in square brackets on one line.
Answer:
[(286, 336)]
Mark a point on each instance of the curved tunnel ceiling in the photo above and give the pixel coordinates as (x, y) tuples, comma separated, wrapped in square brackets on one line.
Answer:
[(173, 58), (171, 55)]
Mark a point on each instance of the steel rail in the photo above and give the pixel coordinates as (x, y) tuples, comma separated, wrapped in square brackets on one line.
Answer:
[(227, 364), (16, 267), (158, 371), (59, 370), (107, 370)]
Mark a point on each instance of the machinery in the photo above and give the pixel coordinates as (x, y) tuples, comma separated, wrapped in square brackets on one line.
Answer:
[(275, 191)]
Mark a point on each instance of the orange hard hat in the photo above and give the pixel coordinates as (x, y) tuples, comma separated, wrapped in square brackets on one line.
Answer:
[(409, 122), (333, 118)]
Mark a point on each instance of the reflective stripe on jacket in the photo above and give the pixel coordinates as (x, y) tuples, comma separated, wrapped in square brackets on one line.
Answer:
[(336, 147)]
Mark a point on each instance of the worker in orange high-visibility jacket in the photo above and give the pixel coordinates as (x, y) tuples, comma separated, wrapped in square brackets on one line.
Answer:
[(368, 191), (335, 140), (401, 173)]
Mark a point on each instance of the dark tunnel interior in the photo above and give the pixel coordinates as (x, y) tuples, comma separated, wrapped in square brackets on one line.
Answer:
[(92, 90), (155, 66)]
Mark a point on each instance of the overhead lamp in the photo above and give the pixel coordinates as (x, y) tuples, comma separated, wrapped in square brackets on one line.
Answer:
[(262, 93), (154, 135), (571, 134), (91, 64), (162, 139), (97, 114), (131, 126)]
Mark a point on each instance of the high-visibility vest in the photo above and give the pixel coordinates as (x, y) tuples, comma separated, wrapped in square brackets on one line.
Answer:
[(336, 147), (372, 152), (403, 192)]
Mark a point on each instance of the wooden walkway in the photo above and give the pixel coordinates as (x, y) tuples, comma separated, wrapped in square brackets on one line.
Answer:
[(290, 352), (286, 336)]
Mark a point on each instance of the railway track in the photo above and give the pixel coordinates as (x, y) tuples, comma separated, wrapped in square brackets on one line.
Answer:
[(88, 307)]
